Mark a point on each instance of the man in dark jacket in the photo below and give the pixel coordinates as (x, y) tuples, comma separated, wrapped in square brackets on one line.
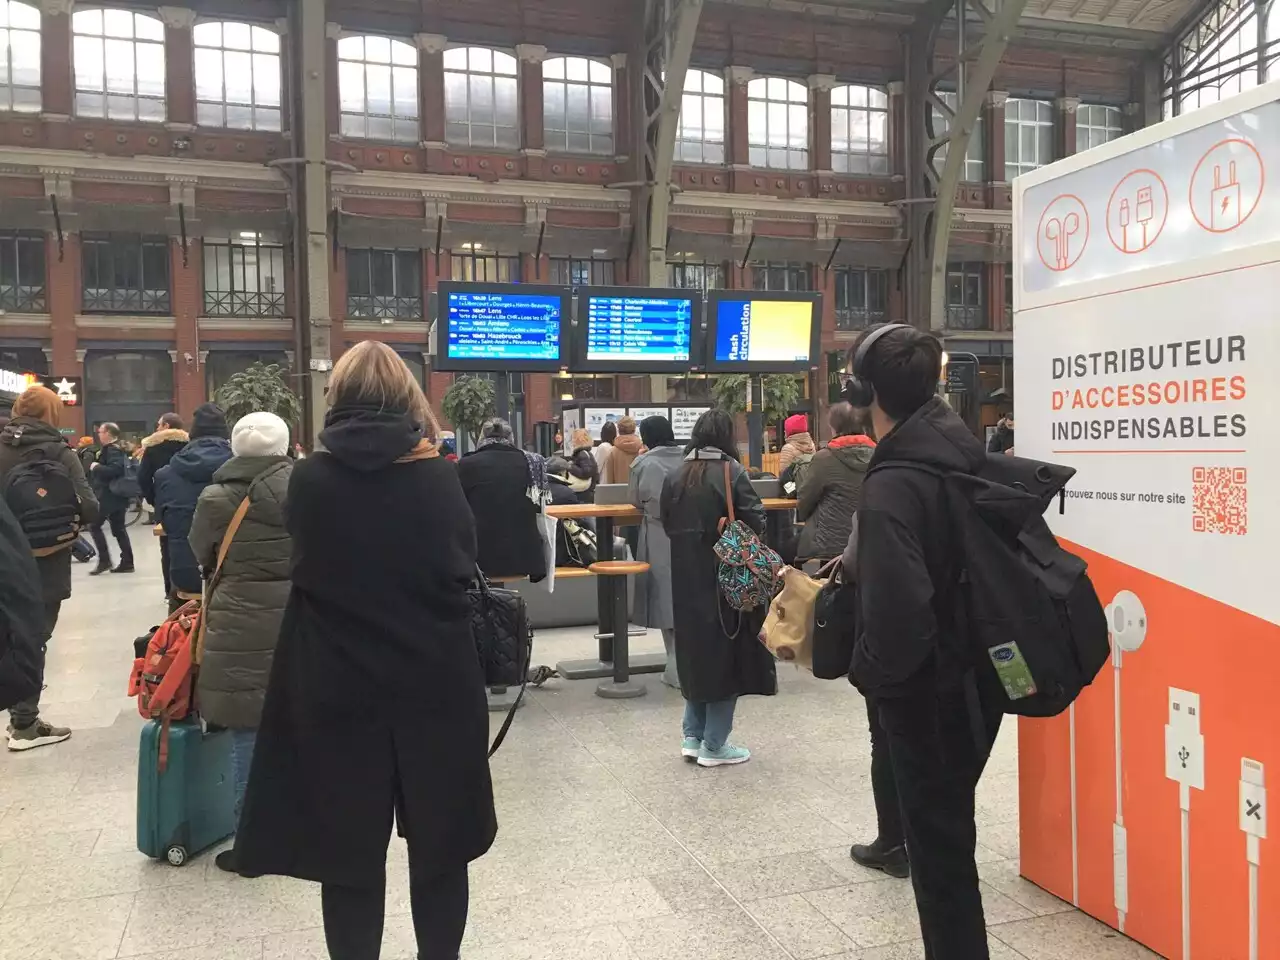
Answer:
[(177, 488), (30, 437), (506, 488), (157, 450), (110, 465), (1002, 439), (907, 657)]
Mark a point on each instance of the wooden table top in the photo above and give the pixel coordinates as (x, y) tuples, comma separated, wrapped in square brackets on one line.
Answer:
[(625, 511)]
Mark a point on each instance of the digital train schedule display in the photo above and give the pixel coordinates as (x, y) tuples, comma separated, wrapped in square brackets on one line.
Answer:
[(639, 330), (506, 327), (754, 331)]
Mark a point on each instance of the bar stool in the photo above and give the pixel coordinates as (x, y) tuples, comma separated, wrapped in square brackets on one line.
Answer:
[(621, 687)]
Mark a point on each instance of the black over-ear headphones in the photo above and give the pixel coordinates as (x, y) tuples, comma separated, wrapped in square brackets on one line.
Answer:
[(858, 390)]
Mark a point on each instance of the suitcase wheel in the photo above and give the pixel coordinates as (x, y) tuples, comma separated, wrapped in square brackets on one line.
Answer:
[(176, 855)]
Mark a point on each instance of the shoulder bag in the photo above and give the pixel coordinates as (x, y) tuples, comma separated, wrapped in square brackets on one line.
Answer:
[(504, 642), (748, 571)]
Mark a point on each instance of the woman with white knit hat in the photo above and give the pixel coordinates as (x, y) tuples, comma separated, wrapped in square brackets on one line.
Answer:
[(244, 609)]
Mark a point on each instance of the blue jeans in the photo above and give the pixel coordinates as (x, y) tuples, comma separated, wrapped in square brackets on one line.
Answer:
[(709, 722), (242, 742)]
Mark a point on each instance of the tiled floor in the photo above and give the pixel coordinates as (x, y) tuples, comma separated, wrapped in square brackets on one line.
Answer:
[(611, 848)]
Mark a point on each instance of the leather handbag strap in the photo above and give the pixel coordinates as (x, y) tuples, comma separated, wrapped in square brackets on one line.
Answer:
[(728, 491), (224, 548)]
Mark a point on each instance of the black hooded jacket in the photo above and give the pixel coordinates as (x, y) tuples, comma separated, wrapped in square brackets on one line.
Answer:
[(906, 557)]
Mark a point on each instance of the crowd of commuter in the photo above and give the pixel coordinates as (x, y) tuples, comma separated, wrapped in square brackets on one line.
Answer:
[(342, 597)]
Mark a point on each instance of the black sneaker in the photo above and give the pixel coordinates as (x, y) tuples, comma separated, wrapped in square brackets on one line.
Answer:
[(123, 568), (99, 569), (226, 860), (892, 860)]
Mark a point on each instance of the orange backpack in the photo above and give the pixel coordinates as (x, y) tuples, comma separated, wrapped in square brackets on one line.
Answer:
[(163, 679)]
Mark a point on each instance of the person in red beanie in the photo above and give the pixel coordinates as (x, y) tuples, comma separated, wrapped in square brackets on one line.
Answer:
[(799, 443)]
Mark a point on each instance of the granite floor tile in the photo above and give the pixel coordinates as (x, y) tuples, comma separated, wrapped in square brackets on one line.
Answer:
[(1069, 936), (803, 931), (709, 936), (65, 929)]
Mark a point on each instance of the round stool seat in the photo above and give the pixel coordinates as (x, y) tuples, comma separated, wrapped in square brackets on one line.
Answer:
[(618, 568)]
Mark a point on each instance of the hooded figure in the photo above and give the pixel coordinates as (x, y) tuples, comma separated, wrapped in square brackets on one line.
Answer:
[(178, 488), (796, 430), (626, 447), (652, 605)]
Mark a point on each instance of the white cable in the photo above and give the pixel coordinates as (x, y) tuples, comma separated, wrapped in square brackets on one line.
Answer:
[(1253, 821), (1253, 901), (1075, 817), (1184, 802), (1127, 620)]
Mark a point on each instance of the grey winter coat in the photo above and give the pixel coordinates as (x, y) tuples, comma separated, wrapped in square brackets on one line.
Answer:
[(245, 608), (829, 495), (652, 604)]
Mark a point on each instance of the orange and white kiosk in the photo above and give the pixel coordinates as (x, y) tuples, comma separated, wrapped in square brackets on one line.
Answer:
[(1147, 355)]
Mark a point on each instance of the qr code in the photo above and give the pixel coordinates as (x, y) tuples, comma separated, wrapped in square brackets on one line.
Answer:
[(1220, 500)]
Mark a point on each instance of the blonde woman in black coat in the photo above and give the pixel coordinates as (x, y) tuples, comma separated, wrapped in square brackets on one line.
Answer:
[(376, 701)]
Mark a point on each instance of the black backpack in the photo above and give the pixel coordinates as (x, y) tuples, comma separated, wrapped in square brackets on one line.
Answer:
[(40, 492), (1024, 606), (126, 485)]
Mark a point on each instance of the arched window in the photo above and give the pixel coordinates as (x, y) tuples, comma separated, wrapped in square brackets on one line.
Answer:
[(237, 76), (378, 88), (119, 65), (577, 105), (1096, 124), (480, 104), (778, 123), (700, 137), (859, 130), (19, 57)]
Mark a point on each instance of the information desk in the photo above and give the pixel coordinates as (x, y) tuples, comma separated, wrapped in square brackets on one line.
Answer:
[(614, 659)]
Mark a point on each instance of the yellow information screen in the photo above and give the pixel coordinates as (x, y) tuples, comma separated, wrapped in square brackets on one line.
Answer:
[(764, 331)]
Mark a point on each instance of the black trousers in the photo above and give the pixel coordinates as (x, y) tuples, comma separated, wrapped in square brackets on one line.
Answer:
[(883, 788), (164, 565), (24, 714), (937, 762), (353, 916), (115, 520)]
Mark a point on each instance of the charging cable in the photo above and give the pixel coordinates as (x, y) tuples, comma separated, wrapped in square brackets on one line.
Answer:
[(1127, 619), (1184, 764), (1253, 821)]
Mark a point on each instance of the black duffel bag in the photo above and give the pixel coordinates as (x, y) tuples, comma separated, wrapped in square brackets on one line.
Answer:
[(834, 612), (504, 642)]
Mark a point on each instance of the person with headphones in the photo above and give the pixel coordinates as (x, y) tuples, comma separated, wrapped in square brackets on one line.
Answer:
[(908, 660)]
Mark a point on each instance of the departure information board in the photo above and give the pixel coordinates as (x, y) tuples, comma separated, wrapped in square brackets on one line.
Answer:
[(506, 326), (639, 328), (763, 331)]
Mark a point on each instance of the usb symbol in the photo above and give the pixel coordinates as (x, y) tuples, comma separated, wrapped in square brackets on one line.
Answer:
[(1184, 755)]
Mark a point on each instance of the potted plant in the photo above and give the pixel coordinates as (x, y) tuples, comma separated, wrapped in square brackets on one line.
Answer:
[(781, 391), (468, 403), (260, 386)]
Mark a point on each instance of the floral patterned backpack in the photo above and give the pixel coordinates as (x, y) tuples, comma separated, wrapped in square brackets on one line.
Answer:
[(748, 572)]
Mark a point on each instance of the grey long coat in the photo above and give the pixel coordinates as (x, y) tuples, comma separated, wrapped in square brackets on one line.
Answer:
[(652, 604), (246, 607)]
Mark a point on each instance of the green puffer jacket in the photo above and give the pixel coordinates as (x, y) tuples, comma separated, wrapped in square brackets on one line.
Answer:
[(247, 604)]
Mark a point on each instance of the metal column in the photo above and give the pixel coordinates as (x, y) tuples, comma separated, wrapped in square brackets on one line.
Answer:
[(982, 34), (657, 84)]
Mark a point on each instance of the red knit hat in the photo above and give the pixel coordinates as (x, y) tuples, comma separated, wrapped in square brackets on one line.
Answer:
[(796, 424)]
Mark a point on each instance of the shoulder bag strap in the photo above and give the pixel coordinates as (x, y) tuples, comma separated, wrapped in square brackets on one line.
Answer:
[(224, 548), (728, 497)]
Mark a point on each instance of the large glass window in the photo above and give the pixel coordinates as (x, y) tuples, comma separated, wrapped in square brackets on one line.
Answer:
[(481, 108), (974, 162), (1222, 53), (778, 123), (222, 365), (700, 136), (19, 57), (119, 65), (378, 88), (125, 273), (695, 275), (861, 297), (966, 296), (237, 76), (243, 277), (1097, 124), (130, 389), (581, 271), (859, 130), (384, 284), (782, 276), (1028, 135), (22, 276), (473, 263), (577, 105)]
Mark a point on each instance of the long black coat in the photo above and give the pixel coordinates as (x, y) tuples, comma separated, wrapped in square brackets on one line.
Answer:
[(376, 700), (495, 480), (713, 663)]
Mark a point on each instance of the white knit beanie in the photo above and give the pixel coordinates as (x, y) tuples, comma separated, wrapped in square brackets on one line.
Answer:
[(260, 435)]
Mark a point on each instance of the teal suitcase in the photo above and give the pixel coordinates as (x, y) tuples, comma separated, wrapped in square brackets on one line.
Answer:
[(191, 805)]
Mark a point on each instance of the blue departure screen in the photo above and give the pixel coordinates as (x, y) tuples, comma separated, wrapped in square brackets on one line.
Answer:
[(764, 331), (657, 329), (504, 326)]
